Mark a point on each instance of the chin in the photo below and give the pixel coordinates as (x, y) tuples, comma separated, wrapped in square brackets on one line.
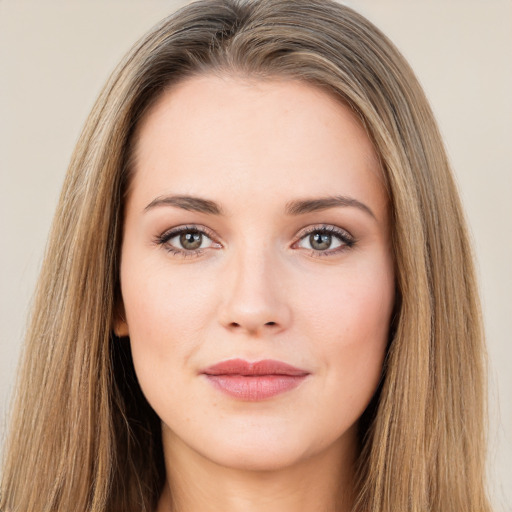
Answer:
[(262, 448), (258, 457)]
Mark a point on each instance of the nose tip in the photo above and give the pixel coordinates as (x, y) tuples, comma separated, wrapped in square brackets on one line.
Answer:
[(253, 318), (255, 301)]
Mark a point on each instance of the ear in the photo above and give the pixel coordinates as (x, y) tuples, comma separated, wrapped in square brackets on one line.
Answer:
[(120, 326)]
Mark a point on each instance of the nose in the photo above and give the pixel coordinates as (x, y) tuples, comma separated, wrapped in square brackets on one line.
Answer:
[(255, 298)]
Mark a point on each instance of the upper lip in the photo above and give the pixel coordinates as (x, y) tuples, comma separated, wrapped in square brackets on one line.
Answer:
[(246, 368)]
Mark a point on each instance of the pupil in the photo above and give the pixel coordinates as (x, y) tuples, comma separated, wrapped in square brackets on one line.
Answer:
[(320, 241), (190, 240)]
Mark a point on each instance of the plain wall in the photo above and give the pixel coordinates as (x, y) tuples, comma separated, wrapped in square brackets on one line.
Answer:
[(56, 55)]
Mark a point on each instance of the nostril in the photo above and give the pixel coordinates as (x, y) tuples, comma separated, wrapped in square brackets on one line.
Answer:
[(235, 324)]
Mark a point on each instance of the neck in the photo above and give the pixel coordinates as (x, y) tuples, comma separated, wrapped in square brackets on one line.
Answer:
[(321, 483)]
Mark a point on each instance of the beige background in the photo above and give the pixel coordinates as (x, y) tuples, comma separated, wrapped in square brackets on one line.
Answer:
[(55, 56)]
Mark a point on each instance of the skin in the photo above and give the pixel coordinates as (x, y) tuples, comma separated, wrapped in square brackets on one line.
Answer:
[(256, 290)]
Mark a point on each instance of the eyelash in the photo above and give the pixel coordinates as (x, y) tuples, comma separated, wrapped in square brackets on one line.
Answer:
[(164, 238), (347, 240)]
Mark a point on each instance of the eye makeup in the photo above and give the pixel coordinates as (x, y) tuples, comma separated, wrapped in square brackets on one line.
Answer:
[(322, 240)]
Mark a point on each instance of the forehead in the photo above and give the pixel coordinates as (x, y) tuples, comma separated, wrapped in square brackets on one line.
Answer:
[(219, 136)]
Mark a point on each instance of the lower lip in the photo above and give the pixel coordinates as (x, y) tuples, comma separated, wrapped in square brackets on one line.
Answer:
[(255, 387)]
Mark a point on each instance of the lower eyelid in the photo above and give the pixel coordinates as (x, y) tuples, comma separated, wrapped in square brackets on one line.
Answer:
[(183, 253)]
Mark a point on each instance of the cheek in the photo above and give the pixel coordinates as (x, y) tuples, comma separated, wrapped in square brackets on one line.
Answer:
[(347, 322), (164, 309), (168, 314), (352, 307)]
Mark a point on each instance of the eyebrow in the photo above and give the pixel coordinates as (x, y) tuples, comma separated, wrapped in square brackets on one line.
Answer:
[(190, 203), (302, 206), (296, 207)]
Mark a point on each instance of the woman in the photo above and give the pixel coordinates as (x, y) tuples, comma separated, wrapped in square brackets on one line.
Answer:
[(257, 291)]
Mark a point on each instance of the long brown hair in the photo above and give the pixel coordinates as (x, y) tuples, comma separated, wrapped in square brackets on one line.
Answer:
[(82, 435)]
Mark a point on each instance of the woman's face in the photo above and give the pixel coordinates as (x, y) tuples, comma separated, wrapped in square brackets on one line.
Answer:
[(256, 231)]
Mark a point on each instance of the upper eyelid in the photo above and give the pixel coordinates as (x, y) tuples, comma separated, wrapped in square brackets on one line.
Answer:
[(208, 231), (323, 227), (172, 232)]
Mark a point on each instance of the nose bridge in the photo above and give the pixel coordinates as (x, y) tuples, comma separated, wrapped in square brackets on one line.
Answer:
[(254, 298)]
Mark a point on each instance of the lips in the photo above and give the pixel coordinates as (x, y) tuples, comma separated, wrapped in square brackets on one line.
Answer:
[(254, 381)]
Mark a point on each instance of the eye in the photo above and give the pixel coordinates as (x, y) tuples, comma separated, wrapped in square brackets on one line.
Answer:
[(190, 240), (186, 240), (325, 240)]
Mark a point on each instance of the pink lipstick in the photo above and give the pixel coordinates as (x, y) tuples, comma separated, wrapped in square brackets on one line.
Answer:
[(254, 381)]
